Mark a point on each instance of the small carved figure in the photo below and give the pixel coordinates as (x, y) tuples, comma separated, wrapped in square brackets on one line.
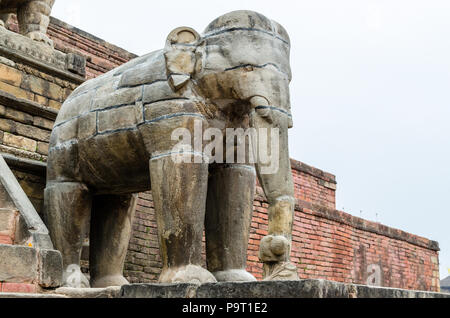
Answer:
[(113, 137), (33, 17)]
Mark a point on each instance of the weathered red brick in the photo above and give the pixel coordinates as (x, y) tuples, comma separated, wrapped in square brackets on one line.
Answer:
[(18, 288)]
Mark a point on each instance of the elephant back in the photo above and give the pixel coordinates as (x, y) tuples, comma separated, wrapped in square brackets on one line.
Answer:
[(121, 93)]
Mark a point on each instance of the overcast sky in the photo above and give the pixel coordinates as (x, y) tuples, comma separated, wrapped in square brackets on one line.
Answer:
[(370, 92)]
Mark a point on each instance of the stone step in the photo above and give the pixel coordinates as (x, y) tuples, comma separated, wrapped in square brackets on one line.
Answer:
[(26, 269), (109, 292), (308, 288), (66, 292), (22, 295)]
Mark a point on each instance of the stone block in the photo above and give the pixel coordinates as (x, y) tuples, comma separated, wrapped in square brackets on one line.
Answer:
[(8, 219), (158, 291), (18, 264), (87, 125), (76, 64), (54, 104), (43, 123), (10, 75), (50, 268), (275, 289), (382, 292), (41, 100), (124, 96), (19, 142), (66, 93), (157, 91), (18, 116), (118, 118), (110, 292), (309, 288), (152, 71), (6, 239), (16, 91), (24, 130), (5, 201), (22, 153), (42, 148), (30, 295), (8, 62), (18, 288), (42, 87)]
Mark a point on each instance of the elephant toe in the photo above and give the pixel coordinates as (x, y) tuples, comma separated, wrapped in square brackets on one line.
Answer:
[(234, 275), (108, 281), (191, 274)]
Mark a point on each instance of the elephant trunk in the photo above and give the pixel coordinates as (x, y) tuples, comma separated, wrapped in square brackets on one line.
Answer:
[(274, 172)]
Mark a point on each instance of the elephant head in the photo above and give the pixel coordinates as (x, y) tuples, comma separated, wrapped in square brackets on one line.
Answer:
[(241, 63)]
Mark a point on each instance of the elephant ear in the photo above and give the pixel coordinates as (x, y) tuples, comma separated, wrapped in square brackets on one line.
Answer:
[(179, 52)]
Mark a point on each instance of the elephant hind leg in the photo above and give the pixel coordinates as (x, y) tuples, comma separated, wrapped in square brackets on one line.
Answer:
[(111, 223), (34, 18), (229, 207), (67, 209)]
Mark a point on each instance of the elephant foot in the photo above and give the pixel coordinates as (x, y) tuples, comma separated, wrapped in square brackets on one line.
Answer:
[(192, 274), (108, 281), (234, 275), (280, 271), (74, 278), (274, 252), (40, 37)]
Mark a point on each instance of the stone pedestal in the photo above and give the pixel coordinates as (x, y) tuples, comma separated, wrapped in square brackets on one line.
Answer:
[(308, 288)]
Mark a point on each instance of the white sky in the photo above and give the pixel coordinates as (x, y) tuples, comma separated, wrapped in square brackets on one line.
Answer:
[(370, 93)]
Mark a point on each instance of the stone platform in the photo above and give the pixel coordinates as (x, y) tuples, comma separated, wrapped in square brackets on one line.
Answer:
[(310, 288)]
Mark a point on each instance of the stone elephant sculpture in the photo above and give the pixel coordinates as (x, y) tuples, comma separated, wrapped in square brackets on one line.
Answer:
[(33, 17), (114, 137)]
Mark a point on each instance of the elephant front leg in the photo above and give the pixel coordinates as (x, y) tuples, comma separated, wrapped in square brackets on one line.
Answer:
[(179, 193), (110, 234), (67, 209), (34, 18), (231, 189)]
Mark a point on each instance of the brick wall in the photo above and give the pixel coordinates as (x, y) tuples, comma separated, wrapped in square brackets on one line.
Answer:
[(100, 56), (31, 93), (327, 243)]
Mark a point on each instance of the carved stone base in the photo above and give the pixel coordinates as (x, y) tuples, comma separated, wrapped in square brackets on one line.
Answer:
[(310, 288)]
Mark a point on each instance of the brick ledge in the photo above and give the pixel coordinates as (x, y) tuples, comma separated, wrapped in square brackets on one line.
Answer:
[(315, 172), (364, 225)]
